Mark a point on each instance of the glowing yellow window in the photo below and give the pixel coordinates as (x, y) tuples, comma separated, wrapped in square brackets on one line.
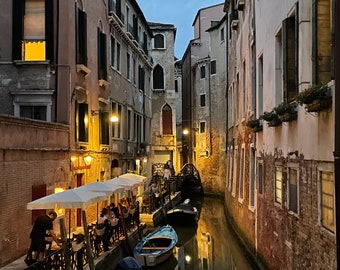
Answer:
[(34, 44)]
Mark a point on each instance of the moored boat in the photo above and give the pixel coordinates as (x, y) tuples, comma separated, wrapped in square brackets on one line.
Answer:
[(189, 182), (156, 247), (183, 214)]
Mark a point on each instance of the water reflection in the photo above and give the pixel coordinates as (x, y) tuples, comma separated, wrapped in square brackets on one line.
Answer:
[(210, 245)]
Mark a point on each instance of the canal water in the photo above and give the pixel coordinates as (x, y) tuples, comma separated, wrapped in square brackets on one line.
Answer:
[(211, 245)]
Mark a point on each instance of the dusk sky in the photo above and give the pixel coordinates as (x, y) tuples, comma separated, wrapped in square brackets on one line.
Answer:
[(180, 13)]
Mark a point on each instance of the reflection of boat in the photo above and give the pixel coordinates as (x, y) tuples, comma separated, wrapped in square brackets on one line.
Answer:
[(156, 247), (129, 263), (183, 214), (189, 182)]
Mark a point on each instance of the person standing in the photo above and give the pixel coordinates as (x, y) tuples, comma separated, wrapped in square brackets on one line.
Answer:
[(43, 227)]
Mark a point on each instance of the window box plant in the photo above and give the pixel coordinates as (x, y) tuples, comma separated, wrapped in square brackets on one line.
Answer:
[(286, 111), (272, 118), (255, 124), (315, 98)]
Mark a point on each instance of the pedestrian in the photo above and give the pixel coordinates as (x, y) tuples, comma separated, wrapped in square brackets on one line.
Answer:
[(42, 228)]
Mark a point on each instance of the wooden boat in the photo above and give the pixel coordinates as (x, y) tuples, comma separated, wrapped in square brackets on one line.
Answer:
[(189, 182), (156, 247), (183, 214)]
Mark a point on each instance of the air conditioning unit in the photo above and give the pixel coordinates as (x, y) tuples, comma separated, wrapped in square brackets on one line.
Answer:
[(234, 24), (240, 4)]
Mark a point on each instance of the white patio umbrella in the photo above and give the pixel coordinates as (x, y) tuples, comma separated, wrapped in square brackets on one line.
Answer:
[(105, 187), (125, 182), (133, 176), (71, 198)]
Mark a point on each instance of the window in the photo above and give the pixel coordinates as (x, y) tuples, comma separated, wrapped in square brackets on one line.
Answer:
[(323, 46), (32, 30), (290, 58), (104, 127), (102, 72), (134, 65), (202, 100), (213, 67), (167, 119), (293, 190), (241, 191), (128, 70), (81, 37), (252, 178), (158, 77), (222, 34), (37, 106), (260, 178), (33, 112), (260, 85), (202, 127), (113, 48), (278, 184), (82, 122), (176, 86), (116, 126), (129, 125), (202, 72), (118, 56), (327, 200), (158, 41), (141, 78)]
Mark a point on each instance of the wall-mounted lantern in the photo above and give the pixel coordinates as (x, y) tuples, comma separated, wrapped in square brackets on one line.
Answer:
[(81, 162)]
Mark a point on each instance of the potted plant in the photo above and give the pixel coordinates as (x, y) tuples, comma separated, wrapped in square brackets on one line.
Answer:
[(272, 118), (286, 111), (315, 98), (100, 229), (255, 124), (77, 244)]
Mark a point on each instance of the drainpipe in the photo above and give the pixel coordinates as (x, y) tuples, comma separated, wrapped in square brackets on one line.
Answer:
[(336, 36)]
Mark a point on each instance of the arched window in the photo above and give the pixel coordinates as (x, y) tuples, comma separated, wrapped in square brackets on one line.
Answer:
[(159, 41), (167, 119), (158, 77)]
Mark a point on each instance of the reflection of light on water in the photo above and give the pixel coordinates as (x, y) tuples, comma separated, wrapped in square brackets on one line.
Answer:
[(187, 259), (205, 245)]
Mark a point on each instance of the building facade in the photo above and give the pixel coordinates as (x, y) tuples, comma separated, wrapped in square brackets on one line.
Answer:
[(280, 190), (66, 68), (203, 80), (164, 98)]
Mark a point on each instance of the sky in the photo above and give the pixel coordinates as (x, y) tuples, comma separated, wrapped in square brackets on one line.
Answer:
[(180, 13)]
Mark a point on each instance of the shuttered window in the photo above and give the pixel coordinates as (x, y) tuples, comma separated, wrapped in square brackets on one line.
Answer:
[(32, 30), (81, 37), (290, 57), (167, 119), (102, 72)]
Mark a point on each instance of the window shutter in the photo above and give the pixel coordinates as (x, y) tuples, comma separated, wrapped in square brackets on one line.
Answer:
[(49, 29), (18, 14), (38, 192)]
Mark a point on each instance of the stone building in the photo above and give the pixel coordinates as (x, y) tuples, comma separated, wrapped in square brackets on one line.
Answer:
[(66, 67), (164, 97), (280, 185), (203, 77)]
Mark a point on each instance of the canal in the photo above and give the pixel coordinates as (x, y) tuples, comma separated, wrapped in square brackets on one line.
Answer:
[(211, 245)]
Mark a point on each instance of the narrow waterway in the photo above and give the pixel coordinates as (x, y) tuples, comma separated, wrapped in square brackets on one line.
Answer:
[(212, 245)]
